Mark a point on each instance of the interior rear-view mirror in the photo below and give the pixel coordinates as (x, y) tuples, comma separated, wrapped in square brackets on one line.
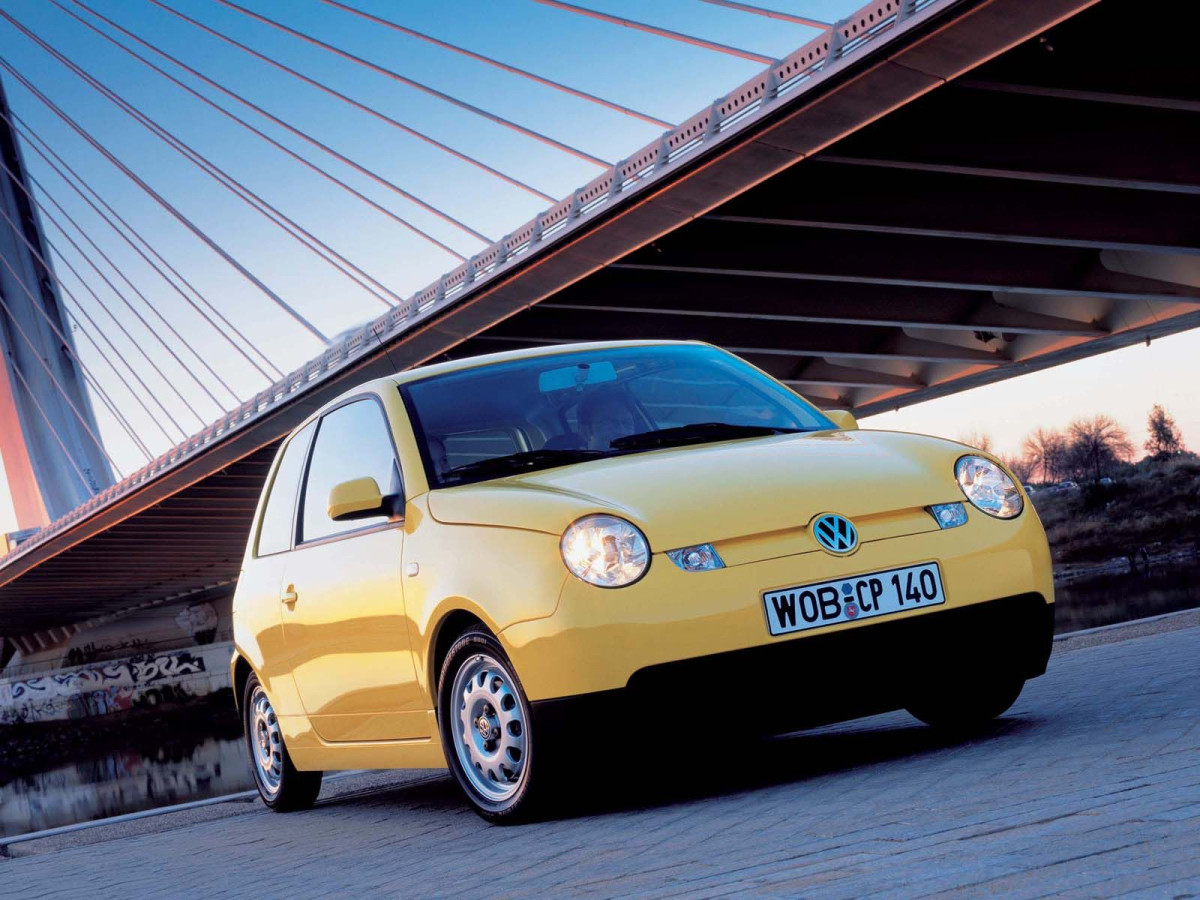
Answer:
[(576, 376)]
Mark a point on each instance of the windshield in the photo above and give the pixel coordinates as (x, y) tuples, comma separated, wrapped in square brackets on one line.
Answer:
[(513, 417)]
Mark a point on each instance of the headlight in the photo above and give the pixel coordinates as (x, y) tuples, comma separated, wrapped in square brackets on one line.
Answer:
[(605, 551), (988, 487)]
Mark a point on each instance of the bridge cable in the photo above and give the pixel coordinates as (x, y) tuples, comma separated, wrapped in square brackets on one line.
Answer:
[(70, 351), (33, 347), (524, 73), (82, 309), (161, 201), (92, 322), (433, 92), (91, 263), (771, 13), (57, 164), (99, 391), (117, 269), (278, 218), (54, 431), (379, 179), (171, 440), (655, 30), (67, 291), (332, 92)]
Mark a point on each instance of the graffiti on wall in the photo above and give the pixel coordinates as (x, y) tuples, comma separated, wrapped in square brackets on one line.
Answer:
[(132, 672), (201, 621), (79, 656), (108, 687)]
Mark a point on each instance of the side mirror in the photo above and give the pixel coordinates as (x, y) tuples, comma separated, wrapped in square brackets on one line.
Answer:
[(359, 498), (843, 419)]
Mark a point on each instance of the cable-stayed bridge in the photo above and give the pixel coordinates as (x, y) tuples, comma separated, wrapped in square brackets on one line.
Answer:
[(926, 197)]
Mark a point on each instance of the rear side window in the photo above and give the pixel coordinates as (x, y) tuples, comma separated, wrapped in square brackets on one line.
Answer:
[(353, 442), (275, 534)]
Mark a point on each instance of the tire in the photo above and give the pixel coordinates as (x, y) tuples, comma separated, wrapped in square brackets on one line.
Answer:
[(968, 704), (280, 785), (487, 731)]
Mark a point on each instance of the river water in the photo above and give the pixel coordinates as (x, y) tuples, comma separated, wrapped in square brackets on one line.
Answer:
[(122, 781), (1110, 598)]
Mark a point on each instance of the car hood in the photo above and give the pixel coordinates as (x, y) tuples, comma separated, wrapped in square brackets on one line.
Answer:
[(728, 491)]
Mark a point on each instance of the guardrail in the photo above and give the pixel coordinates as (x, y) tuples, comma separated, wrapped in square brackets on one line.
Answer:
[(745, 104)]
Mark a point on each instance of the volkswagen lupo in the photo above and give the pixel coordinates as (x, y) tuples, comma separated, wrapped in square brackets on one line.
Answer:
[(485, 563)]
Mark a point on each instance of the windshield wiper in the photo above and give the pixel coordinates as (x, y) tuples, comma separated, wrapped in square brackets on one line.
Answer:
[(521, 462), (695, 434)]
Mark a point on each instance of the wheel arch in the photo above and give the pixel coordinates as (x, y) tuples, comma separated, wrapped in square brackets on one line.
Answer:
[(240, 671), (449, 628)]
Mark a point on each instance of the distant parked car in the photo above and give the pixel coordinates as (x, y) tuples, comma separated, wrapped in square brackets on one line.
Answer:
[(1106, 480), (1068, 485), (1029, 488)]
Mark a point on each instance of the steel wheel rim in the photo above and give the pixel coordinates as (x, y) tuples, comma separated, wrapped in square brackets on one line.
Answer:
[(265, 742), (490, 725)]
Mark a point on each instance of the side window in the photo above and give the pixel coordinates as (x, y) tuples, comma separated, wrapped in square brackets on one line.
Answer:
[(275, 534), (352, 442)]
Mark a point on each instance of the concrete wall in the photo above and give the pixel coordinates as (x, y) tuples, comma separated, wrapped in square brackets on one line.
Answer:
[(103, 688)]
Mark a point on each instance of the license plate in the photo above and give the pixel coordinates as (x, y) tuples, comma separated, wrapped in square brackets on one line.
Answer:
[(856, 597)]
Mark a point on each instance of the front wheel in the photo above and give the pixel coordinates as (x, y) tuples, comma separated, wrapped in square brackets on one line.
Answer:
[(280, 785), (968, 704), (487, 731)]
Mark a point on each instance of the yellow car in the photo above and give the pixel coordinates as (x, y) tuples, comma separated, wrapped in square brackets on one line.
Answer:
[(485, 563)]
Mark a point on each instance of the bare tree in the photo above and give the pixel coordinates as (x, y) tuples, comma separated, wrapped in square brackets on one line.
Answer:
[(1165, 439), (1021, 466), (1096, 444), (977, 439), (1059, 451), (1046, 451)]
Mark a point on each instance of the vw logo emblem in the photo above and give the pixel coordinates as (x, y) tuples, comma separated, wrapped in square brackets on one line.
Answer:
[(835, 533)]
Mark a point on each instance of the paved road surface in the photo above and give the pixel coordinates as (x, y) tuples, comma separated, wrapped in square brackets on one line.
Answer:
[(1089, 787)]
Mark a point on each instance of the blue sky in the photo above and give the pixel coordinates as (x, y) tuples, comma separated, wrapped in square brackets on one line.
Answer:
[(661, 77)]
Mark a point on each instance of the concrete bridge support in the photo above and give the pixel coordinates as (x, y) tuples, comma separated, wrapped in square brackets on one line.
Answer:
[(48, 433)]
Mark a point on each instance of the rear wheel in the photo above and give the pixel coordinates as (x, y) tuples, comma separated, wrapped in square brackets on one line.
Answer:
[(969, 703), (487, 731), (280, 785)]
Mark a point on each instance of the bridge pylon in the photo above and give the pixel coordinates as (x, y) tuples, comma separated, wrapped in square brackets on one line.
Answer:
[(51, 459)]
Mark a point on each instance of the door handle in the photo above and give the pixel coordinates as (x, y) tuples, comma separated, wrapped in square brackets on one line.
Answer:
[(290, 596)]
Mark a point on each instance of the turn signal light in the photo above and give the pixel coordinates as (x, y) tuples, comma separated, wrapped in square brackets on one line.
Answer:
[(697, 559)]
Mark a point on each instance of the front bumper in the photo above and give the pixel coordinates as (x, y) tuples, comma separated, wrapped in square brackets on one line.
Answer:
[(596, 640), (831, 677)]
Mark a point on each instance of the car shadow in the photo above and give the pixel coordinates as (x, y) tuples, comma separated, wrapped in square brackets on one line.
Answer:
[(673, 770), (683, 777)]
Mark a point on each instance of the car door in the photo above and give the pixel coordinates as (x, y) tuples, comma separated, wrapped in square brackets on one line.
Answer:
[(262, 574), (343, 610)]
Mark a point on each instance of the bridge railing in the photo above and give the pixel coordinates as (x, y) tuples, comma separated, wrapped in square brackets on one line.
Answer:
[(816, 60)]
